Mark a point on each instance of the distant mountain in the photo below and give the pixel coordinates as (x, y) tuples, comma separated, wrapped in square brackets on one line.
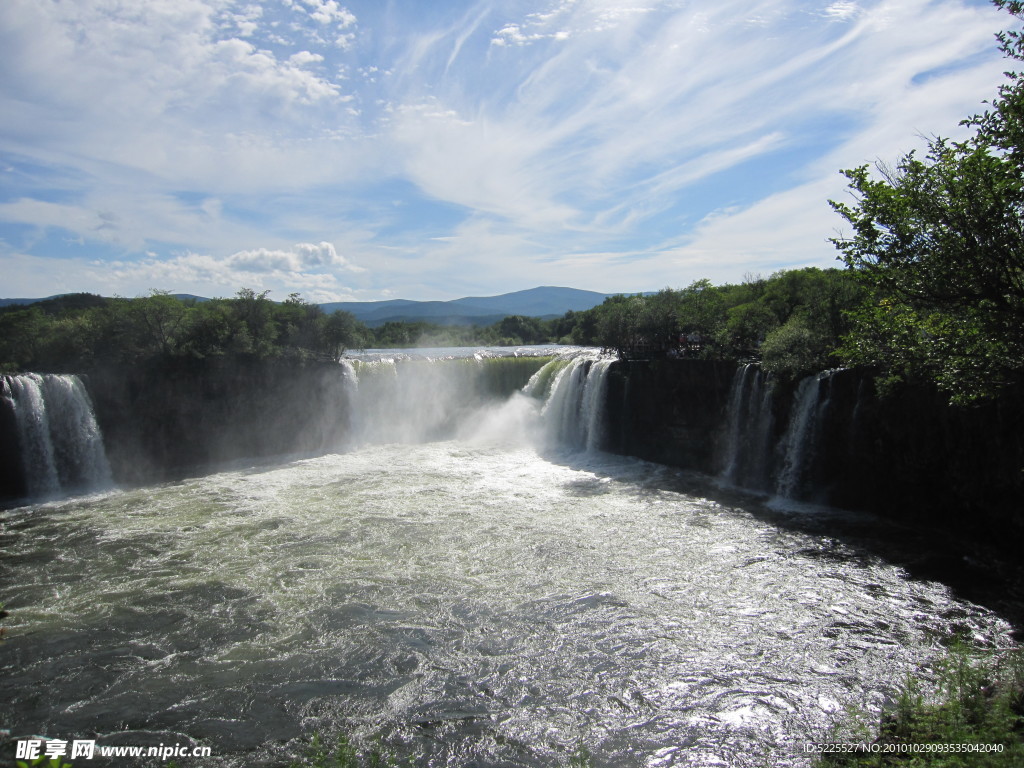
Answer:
[(536, 302), (56, 304), (546, 301), (21, 302), (83, 298)]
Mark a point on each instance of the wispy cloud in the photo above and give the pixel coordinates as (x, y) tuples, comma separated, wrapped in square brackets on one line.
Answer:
[(462, 147)]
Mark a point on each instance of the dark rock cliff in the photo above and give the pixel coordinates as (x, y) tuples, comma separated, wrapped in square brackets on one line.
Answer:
[(669, 411), (908, 456), (180, 417)]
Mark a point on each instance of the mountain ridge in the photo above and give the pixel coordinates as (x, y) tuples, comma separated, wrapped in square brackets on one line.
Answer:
[(543, 301)]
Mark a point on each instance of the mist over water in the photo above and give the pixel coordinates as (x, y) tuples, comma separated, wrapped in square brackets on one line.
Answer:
[(467, 579)]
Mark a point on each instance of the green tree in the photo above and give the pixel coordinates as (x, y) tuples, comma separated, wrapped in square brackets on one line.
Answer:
[(22, 334), (518, 329), (343, 331), (584, 329), (300, 326), (795, 349), (658, 318), (746, 327), (939, 241), (254, 332), (618, 323), (158, 322), (702, 308), (210, 330)]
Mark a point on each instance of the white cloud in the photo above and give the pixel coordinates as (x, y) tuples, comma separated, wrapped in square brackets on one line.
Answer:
[(328, 12), (303, 257), (578, 140), (104, 89), (305, 58), (842, 10), (479, 164), (126, 219), (189, 272), (571, 18), (246, 21)]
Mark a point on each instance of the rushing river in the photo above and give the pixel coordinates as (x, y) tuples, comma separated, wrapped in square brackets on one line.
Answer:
[(488, 600)]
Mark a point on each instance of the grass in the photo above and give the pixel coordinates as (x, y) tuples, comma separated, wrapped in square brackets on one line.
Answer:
[(978, 709), (343, 754)]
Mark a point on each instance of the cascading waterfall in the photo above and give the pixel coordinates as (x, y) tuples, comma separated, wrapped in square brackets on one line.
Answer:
[(574, 393), (559, 402), (735, 422), (26, 399), (55, 445), (61, 445), (799, 444), (748, 447), (594, 395), (402, 400), (752, 458)]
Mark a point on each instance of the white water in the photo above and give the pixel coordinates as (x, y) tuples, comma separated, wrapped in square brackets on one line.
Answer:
[(574, 390), (480, 601), (801, 437), (748, 447), (400, 399), (750, 459), (61, 444)]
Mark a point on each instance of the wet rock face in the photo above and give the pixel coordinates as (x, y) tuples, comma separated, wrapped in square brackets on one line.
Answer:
[(669, 411), (182, 417), (909, 455), (12, 478)]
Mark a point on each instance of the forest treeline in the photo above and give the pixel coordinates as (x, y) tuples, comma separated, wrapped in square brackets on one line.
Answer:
[(793, 320)]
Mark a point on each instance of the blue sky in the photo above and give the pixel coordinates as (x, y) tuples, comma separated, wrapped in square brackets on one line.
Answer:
[(406, 149)]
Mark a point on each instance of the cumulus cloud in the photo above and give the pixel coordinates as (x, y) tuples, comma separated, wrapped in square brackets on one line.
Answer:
[(302, 257), (186, 92), (282, 272), (305, 58), (246, 21), (326, 12)]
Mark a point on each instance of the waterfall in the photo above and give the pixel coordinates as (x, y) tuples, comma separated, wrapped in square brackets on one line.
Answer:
[(403, 400), (748, 448), (558, 401), (593, 410), (61, 444), (54, 445), (735, 423), (798, 447), (574, 392), (751, 457)]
